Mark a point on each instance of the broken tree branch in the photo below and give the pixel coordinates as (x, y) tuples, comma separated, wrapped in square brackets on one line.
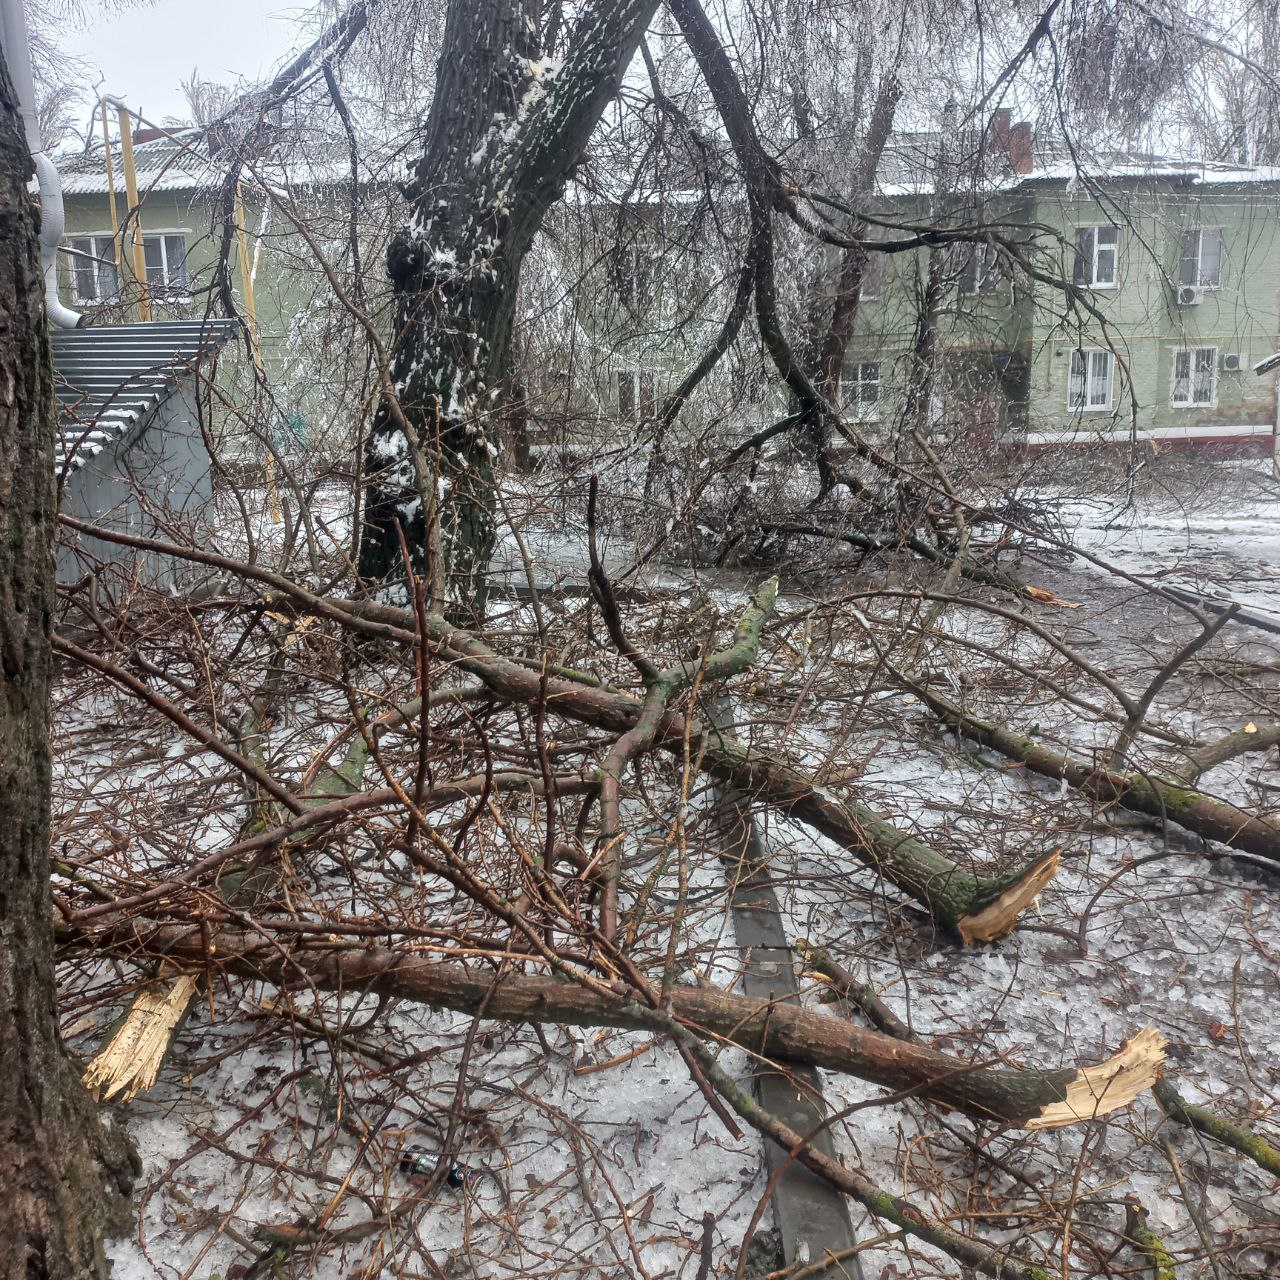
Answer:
[(1239, 742), (1233, 1135), (1021, 1096), (977, 908), (1156, 797)]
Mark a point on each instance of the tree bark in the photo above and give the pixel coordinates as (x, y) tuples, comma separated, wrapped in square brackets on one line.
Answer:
[(1157, 797), (63, 1177), (1021, 1096), (508, 124)]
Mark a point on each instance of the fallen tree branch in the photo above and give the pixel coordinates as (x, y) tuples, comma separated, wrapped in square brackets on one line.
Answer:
[(661, 687), (1020, 1096), (1237, 1136), (184, 722), (1161, 798), (884, 543), (1238, 742), (977, 908), (1147, 1243), (844, 986), (972, 1253)]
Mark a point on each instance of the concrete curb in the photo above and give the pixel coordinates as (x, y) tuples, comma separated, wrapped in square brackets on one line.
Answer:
[(812, 1216)]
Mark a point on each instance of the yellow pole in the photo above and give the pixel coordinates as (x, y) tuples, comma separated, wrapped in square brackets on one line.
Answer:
[(134, 214), (246, 283), (116, 247), (255, 346)]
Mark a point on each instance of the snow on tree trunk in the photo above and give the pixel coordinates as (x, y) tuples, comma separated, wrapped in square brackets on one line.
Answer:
[(508, 123), (55, 1202)]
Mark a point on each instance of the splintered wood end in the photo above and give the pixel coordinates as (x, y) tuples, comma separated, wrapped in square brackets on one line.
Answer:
[(129, 1062), (1000, 916), (1107, 1086)]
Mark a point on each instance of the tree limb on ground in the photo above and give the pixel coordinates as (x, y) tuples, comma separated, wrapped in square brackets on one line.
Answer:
[(1236, 1136), (976, 908), (1157, 797), (1019, 1096)]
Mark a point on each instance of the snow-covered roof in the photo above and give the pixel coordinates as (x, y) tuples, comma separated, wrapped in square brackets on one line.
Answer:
[(188, 160), (179, 161), (110, 377), (1200, 174)]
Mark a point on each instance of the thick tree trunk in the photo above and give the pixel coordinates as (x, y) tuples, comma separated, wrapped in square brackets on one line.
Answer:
[(54, 1200), (508, 124)]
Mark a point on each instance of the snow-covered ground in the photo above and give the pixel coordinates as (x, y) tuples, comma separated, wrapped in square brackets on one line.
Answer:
[(599, 1156), (1225, 545)]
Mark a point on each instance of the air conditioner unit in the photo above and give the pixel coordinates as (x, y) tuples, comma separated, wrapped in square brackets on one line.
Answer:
[(1190, 295), (1232, 363)]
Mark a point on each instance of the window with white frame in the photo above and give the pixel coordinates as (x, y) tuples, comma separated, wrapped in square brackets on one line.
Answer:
[(94, 277), (1200, 262), (1089, 383), (980, 270), (1195, 376), (860, 390), (635, 397), (166, 258), (1097, 257)]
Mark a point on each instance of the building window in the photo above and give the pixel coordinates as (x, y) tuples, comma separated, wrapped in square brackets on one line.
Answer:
[(1195, 376), (166, 258), (1097, 257), (980, 272), (1201, 259), (95, 277), (635, 397), (1089, 386), (93, 268), (860, 391), (633, 275)]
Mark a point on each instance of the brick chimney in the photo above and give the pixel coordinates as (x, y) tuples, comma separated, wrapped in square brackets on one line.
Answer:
[(1020, 148)]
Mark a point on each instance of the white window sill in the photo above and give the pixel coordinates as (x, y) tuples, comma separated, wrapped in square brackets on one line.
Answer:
[(1090, 408)]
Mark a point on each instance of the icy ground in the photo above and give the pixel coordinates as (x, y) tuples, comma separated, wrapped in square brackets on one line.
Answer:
[(600, 1158), (1224, 545)]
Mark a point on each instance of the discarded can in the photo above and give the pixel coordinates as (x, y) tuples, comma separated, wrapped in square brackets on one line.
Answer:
[(420, 1165)]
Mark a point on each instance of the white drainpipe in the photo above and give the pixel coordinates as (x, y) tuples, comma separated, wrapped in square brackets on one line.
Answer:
[(17, 56)]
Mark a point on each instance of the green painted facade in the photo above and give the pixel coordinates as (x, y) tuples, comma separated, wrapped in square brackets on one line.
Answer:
[(1008, 336), (314, 370), (623, 300), (1147, 319)]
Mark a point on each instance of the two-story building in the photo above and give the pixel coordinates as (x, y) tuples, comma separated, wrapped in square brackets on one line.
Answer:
[(257, 246), (1128, 301)]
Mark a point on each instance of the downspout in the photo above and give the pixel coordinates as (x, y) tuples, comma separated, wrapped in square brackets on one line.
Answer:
[(17, 55)]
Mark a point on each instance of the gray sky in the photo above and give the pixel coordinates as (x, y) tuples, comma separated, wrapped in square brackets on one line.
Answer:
[(143, 53)]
